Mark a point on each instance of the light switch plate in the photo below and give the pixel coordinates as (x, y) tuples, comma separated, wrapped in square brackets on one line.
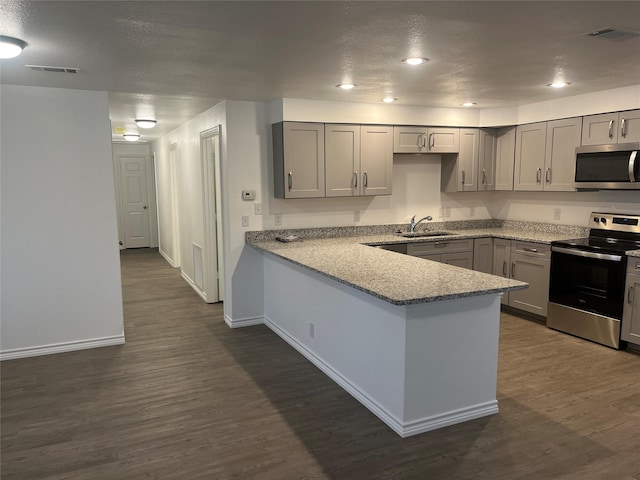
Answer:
[(245, 220), (248, 195)]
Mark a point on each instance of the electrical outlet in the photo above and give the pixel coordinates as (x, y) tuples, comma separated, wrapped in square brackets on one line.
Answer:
[(245, 220), (472, 211), (277, 220), (556, 213), (257, 208), (441, 214), (356, 215), (447, 211), (312, 330)]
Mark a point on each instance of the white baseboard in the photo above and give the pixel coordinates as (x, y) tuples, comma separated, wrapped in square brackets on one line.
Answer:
[(168, 259), (194, 286), (404, 429), (61, 347), (242, 322)]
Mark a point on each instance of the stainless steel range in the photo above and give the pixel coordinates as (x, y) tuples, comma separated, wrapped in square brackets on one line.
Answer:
[(586, 292)]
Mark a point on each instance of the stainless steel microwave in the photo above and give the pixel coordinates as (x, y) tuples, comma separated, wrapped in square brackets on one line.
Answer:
[(608, 167)]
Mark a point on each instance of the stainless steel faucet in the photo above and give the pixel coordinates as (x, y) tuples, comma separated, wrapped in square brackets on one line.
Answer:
[(414, 224)]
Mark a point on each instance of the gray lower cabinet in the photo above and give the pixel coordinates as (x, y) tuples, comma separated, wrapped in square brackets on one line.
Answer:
[(483, 255), (528, 262), (531, 263), (501, 261), (630, 328), (452, 252), (298, 160)]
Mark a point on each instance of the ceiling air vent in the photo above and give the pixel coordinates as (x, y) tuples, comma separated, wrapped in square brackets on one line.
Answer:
[(613, 34), (44, 68)]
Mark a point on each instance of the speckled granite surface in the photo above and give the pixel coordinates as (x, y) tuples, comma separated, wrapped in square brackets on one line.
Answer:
[(634, 253), (392, 277)]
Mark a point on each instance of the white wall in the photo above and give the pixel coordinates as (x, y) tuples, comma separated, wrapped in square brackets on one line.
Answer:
[(190, 204), (60, 266)]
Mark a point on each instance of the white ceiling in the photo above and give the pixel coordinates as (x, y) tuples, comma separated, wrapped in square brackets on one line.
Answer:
[(173, 60)]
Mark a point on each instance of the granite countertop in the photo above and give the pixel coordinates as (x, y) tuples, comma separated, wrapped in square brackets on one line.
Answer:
[(393, 277)]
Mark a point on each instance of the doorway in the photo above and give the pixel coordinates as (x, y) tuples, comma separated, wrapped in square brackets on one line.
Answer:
[(212, 255), (135, 196)]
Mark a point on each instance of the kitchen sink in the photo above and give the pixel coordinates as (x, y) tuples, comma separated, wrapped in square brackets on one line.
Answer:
[(424, 234)]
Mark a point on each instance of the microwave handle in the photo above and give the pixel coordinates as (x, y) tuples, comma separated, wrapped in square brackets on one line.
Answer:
[(632, 166)]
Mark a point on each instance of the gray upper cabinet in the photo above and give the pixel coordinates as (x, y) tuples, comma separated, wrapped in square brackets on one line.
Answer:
[(298, 160), (342, 156), (425, 140), (616, 127), (630, 327), (563, 136), (359, 160), (376, 159), (487, 157), (529, 158), (505, 158), (409, 139), (459, 172)]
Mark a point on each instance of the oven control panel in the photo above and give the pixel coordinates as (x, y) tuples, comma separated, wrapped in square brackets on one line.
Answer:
[(618, 222)]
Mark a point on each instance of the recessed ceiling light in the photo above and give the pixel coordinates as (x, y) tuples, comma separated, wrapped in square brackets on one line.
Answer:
[(11, 47), (415, 60), (346, 86), (132, 137), (558, 84), (389, 99), (468, 104), (145, 123)]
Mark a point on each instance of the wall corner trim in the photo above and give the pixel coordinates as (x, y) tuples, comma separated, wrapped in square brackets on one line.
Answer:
[(243, 322), (61, 347)]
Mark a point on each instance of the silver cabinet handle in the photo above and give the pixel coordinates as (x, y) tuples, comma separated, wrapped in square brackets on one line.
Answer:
[(420, 141), (547, 175), (432, 142), (527, 249), (355, 179), (290, 180), (623, 127), (462, 177), (442, 244), (504, 268), (484, 177), (513, 269), (365, 180), (637, 266), (538, 175), (632, 166), (630, 296), (610, 128)]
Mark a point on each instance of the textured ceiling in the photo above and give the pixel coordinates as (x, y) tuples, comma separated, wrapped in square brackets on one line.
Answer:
[(173, 60)]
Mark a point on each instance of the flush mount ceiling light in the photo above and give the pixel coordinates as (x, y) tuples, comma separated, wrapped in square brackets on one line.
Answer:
[(131, 137), (469, 104), (143, 123), (389, 99), (11, 47), (558, 84), (346, 86), (415, 60)]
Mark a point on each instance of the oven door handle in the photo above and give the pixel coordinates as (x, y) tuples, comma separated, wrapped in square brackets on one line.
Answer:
[(582, 253)]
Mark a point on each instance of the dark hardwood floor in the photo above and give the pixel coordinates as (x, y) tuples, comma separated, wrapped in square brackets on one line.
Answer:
[(188, 398)]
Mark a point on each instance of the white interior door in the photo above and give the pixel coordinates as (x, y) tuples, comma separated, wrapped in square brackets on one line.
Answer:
[(213, 284), (135, 201)]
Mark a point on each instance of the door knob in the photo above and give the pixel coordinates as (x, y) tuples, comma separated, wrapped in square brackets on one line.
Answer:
[(145, 207)]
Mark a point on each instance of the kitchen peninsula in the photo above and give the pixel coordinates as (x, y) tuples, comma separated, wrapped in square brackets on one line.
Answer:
[(413, 340)]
